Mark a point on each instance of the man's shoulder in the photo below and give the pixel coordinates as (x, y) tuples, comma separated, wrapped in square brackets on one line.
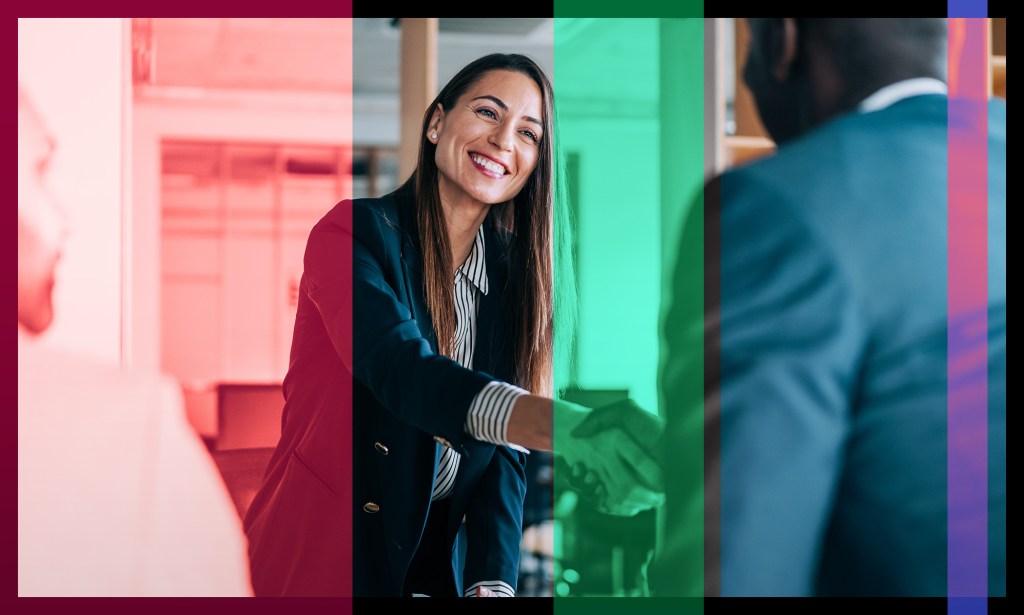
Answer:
[(42, 364), (795, 162), (63, 394), (856, 139), (852, 156)]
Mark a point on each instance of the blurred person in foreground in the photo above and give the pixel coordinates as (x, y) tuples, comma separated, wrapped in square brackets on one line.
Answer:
[(826, 397), (426, 332), (116, 494)]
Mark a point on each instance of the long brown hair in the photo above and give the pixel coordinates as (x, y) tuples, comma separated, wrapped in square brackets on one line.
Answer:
[(533, 301)]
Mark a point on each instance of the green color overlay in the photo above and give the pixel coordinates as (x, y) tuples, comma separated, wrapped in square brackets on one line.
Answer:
[(629, 95)]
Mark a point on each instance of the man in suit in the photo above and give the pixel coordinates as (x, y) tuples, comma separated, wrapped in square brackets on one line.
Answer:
[(824, 327), (116, 495)]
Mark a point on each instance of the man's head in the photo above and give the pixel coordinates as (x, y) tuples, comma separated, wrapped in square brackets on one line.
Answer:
[(40, 223), (805, 71)]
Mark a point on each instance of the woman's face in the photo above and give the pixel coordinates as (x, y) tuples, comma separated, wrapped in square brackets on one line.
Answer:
[(488, 144)]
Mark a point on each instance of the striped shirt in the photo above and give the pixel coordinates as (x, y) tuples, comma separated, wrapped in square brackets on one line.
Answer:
[(490, 410)]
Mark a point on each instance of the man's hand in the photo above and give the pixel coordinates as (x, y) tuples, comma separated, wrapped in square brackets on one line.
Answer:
[(610, 453), (642, 426)]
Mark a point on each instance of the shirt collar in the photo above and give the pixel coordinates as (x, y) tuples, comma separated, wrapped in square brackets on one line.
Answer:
[(475, 267), (895, 92)]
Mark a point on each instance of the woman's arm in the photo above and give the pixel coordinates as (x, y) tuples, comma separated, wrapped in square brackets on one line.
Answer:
[(617, 449), (531, 422), (373, 331), (380, 342), (494, 525)]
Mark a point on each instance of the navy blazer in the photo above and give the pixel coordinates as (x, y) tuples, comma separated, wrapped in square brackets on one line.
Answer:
[(369, 406)]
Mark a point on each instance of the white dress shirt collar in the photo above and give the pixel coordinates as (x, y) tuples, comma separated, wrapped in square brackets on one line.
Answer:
[(475, 267), (895, 92)]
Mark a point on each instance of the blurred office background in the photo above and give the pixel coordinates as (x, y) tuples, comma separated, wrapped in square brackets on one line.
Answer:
[(194, 156)]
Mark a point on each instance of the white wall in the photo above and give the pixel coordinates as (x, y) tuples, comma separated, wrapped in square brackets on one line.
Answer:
[(614, 126), (229, 116), (618, 228), (73, 71)]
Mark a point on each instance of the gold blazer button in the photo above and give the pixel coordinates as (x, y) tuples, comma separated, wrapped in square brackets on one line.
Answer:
[(383, 450), (370, 507)]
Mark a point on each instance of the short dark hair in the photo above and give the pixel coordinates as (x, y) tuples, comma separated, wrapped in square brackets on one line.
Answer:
[(874, 51)]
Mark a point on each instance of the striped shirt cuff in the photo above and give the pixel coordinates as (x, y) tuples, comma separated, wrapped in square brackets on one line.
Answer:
[(490, 411), (500, 589)]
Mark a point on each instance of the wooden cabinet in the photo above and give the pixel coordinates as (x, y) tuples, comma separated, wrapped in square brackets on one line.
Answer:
[(747, 140), (997, 28)]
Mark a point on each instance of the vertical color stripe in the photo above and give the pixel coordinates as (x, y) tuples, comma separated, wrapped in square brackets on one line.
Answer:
[(967, 8), (967, 404), (630, 116)]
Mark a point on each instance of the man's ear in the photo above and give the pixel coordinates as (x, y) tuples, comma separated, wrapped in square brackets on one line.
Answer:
[(785, 44)]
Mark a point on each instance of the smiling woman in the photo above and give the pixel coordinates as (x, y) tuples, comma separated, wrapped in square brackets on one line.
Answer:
[(485, 150), (425, 319), (500, 141)]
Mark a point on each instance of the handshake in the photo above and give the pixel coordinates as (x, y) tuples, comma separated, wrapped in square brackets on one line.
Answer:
[(612, 454)]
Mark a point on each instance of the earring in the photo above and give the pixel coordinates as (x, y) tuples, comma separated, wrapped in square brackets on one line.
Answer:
[(433, 136)]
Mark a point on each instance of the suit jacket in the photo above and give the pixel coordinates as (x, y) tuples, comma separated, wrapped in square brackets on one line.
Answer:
[(825, 404), (116, 494), (369, 406)]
